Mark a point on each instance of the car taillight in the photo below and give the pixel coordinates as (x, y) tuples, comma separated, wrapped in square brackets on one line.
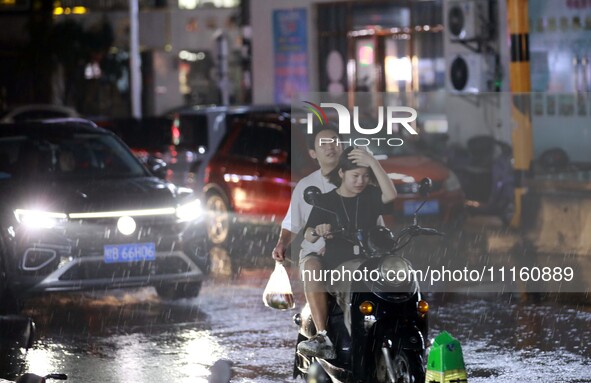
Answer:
[(206, 176), (175, 131), (141, 154)]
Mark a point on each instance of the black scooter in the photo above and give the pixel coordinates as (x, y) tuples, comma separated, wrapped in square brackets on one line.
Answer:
[(389, 320)]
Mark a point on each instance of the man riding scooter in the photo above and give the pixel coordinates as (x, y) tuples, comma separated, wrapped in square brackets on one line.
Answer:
[(297, 215), (327, 156)]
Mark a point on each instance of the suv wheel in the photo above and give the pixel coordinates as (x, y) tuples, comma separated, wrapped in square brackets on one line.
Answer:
[(218, 225), (178, 290)]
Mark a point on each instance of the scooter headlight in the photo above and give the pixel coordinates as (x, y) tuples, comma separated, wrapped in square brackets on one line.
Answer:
[(393, 269), (397, 274)]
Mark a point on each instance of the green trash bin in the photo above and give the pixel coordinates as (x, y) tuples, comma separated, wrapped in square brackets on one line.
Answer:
[(445, 363)]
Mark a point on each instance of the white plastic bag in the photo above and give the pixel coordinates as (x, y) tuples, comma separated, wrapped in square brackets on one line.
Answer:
[(278, 294)]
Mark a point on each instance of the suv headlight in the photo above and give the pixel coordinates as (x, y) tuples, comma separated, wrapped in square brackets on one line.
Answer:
[(189, 211), (452, 183), (39, 218)]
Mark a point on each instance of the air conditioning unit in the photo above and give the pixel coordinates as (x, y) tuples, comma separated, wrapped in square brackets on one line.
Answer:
[(467, 20), (470, 73)]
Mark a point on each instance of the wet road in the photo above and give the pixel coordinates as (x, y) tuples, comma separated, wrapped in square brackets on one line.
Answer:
[(133, 336)]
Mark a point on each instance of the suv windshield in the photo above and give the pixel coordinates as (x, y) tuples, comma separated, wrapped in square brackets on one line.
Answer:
[(75, 156)]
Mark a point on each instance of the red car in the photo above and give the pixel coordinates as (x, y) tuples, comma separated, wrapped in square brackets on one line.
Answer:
[(249, 178), (406, 167)]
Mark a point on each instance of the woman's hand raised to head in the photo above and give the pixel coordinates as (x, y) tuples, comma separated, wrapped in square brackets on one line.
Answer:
[(362, 157)]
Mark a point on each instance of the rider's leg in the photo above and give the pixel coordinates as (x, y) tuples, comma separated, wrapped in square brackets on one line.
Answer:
[(341, 289), (320, 345), (315, 291)]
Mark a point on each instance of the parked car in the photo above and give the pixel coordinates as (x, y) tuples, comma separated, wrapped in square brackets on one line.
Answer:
[(249, 177), (254, 142), (198, 131), (36, 112), (406, 166), (80, 212), (182, 138)]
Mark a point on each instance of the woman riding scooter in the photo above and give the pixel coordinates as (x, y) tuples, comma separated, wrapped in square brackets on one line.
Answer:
[(354, 205)]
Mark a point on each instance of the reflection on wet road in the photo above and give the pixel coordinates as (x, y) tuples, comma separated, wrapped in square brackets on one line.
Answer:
[(127, 337), (507, 341), (137, 338), (133, 336)]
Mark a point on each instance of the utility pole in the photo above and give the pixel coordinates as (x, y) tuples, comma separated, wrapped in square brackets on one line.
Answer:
[(221, 41), (135, 65), (520, 87)]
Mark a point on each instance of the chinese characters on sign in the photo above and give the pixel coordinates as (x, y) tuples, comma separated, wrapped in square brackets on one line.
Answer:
[(290, 44)]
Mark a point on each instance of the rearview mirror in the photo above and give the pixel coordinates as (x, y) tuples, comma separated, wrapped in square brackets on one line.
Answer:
[(425, 186), (311, 195), (157, 166)]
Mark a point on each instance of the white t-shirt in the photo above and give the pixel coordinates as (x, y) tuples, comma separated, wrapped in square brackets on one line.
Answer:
[(299, 211)]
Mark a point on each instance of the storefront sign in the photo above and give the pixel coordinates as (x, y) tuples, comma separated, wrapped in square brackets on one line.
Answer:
[(290, 43)]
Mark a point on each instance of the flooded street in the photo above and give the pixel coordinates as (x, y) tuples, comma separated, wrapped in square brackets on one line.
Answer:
[(133, 336), (420, 169), (137, 338), (504, 340)]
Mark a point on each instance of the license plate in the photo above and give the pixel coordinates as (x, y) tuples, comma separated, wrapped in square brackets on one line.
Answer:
[(130, 252), (430, 207)]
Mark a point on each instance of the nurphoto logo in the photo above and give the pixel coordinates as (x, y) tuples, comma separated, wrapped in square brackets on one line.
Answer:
[(390, 116)]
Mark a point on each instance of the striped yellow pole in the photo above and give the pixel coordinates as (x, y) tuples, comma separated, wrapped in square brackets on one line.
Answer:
[(517, 13)]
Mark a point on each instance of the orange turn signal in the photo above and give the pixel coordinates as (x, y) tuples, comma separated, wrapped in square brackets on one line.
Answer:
[(423, 307), (366, 308)]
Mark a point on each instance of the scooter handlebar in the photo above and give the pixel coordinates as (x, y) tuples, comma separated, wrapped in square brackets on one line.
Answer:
[(315, 234), (415, 230), (429, 231)]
